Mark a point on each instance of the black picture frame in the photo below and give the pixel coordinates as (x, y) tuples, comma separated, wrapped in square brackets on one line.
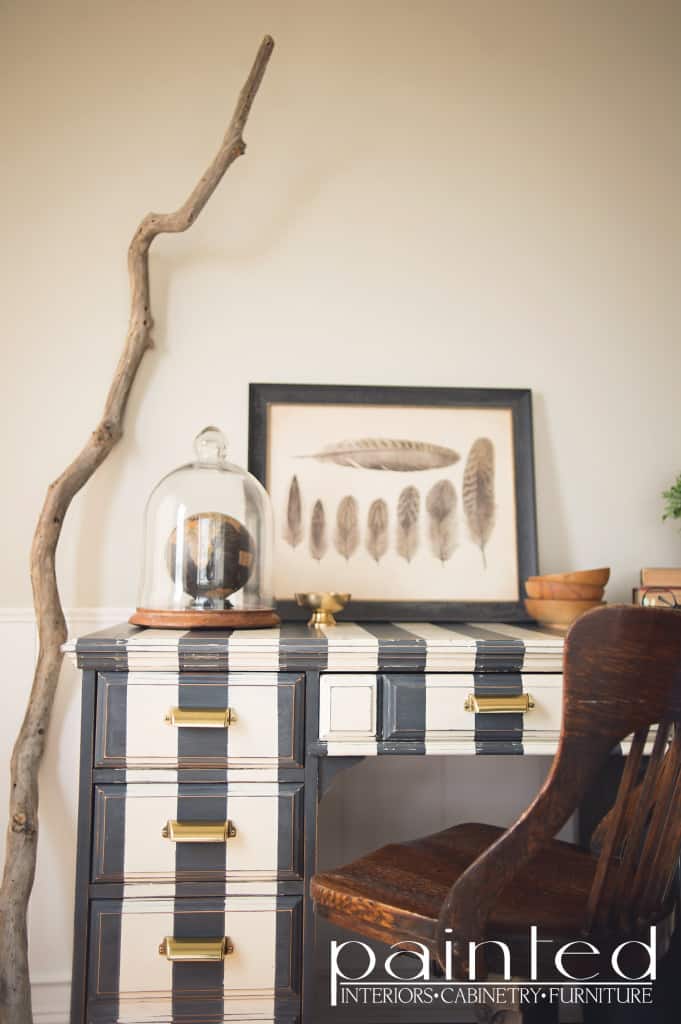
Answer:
[(517, 400)]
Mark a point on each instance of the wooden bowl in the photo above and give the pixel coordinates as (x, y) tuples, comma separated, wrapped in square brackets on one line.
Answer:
[(558, 614), (541, 588), (594, 577)]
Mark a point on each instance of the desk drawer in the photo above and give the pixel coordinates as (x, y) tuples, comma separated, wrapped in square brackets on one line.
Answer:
[(164, 720), (130, 979), (431, 713), (151, 832), (348, 713), (488, 708)]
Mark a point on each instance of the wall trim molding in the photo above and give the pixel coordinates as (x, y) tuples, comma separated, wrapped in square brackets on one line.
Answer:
[(94, 614), (51, 1001)]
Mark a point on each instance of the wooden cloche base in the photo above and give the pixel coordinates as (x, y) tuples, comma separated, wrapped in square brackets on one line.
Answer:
[(229, 618)]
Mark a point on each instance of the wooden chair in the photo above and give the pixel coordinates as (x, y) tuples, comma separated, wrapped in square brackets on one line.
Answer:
[(622, 676)]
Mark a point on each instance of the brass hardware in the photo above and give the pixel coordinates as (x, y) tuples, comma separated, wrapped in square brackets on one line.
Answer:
[(323, 607), (487, 705), (200, 718), (195, 950), (198, 831)]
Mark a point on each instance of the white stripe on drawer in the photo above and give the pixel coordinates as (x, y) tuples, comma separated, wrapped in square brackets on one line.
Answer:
[(540, 745), (254, 811), (133, 775), (464, 745), (444, 646), (448, 723), (254, 649), (146, 852), (148, 737), (351, 748), (249, 774), (446, 717), (165, 645), (349, 645), (347, 707), (252, 853), (255, 731), (144, 924), (250, 971), (166, 890), (545, 717)]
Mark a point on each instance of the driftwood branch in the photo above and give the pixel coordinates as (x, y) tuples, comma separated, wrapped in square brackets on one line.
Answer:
[(22, 834)]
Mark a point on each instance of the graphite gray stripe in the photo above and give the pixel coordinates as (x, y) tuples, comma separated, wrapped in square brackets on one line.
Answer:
[(295, 637), (494, 650), (406, 747), (498, 747), (394, 642), (198, 987), (108, 850), (201, 803), (404, 707), (112, 710), (288, 966), (197, 647), (104, 957), (504, 728), (202, 744)]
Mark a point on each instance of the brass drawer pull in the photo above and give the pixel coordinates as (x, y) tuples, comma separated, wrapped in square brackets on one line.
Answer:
[(200, 718), (198, 831), (484, 705), (186, 951)]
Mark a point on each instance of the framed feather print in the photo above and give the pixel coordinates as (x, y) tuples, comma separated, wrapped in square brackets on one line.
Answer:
[(417, 501)]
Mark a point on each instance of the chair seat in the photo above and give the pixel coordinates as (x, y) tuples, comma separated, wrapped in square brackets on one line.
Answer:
[(401, 887)]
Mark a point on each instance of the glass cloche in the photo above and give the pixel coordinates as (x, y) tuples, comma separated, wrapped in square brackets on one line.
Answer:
[(207, 545)]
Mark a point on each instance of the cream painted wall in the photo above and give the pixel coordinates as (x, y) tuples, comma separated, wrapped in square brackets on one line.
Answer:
[(454, 193), (461, 193)]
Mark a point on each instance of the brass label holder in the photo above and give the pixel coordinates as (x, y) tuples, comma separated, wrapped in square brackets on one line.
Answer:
[(487, 705), (200, 718), (198, 831), (185, 951)]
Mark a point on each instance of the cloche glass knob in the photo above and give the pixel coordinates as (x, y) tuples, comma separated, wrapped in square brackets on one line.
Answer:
[(210, 446)]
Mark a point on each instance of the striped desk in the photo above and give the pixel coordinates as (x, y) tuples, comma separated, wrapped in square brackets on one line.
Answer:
[(204, 756)]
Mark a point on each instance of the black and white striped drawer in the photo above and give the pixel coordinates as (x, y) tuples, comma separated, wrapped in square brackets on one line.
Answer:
[(168, 720), (175, 833), (195, 960), (439, 713)]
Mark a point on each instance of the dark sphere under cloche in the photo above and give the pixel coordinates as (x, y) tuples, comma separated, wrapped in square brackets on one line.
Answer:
[(207, 546), (216, 557)]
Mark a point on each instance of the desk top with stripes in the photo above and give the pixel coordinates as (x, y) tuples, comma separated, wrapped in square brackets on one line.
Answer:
[(346, 647)]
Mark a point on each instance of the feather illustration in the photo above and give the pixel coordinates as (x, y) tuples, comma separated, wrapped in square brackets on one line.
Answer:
[(347, 527), (318, 541), (293, 526), (408, 508), (441, 508), (478, 493), (387, 453), (377, 529)]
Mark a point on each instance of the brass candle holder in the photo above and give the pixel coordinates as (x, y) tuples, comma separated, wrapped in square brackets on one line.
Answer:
[(323, 607)]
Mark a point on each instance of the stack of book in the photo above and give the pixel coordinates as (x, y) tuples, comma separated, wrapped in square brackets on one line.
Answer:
[(659, 581)]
